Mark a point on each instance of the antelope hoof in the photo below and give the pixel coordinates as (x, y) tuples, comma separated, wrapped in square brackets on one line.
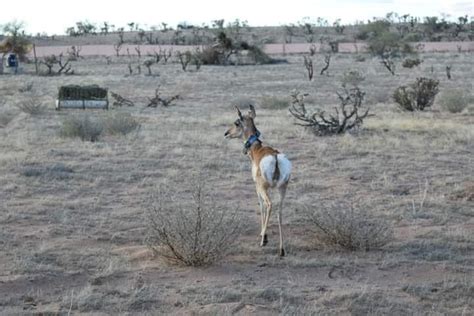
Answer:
[(264, 241), (281, 252)]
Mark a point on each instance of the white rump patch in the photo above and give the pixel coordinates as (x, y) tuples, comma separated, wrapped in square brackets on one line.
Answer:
[(267, 168), (284, 165)]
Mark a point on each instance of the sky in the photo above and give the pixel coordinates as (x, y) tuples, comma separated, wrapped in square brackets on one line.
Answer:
[(55, 16)]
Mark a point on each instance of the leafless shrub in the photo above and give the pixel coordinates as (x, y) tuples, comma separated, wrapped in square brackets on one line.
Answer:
[(32, 107), (349, 229), (74, 53), (418, 95), (389, 63), (448, 72), (346, 117), (5, 117), (26, 88), (158, 99), (189, 57), (454, 101), (83, 127), (308, 64), (52, 60), (121, 123), (139, 51), (119, 100), (166, 54), (118, 47), (187, 228), (327, 60)]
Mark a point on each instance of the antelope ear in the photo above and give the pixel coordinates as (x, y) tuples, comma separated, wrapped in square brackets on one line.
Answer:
[(238, 112), (252, 113)]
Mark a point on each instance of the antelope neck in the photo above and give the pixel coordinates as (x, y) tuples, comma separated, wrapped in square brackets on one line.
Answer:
[(252, 139)]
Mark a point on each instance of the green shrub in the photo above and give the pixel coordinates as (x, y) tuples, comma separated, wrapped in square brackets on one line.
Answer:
[(121, 123), (83, 127), (352, 78), (454, 101), (360, 58), (258, 56), (411, 62), (418, 95)]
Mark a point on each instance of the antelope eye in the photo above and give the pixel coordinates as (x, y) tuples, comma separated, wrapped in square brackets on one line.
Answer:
[(237, 123)]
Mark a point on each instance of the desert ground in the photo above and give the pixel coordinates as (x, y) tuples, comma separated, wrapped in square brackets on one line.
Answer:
[(73, 214)]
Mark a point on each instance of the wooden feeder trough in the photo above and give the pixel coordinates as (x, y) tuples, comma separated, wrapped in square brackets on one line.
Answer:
[(82, 97)]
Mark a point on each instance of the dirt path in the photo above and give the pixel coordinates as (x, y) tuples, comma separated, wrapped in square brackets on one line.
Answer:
[(274, 49)]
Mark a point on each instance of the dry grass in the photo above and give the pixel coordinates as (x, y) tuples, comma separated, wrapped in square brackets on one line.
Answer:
[(31, 106), (71, 213), (454, 101), (82, 126)]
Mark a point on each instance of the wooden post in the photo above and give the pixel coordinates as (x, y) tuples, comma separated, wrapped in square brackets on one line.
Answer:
[(36, 59)]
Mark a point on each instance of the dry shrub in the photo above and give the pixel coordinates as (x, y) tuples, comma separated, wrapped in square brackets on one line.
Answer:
[(352, 78), (121, 123), (466, 193), (418, 95), (188, 228), (274, 103), (350, 229), (83, 127), (31, 107), (454, 101), (6, 117), (210, 56), (258, 56)]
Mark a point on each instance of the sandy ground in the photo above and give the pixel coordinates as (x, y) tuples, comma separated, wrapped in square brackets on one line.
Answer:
[(73, 214)]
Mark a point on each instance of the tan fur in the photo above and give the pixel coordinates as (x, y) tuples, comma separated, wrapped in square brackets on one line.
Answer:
[(244, 127)]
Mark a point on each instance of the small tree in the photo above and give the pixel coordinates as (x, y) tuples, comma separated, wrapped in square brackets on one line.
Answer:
[(52, 60), (384, 44), (148, 63), (15, 41), (327, 60), (308, 64)]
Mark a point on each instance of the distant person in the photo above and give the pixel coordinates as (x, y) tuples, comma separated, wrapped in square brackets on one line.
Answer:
[(13, 62)]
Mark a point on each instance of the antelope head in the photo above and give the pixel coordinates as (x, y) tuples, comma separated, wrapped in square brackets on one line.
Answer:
[(243, 126)]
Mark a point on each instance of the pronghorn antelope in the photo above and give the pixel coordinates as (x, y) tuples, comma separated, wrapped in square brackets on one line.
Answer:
[(270, 169)]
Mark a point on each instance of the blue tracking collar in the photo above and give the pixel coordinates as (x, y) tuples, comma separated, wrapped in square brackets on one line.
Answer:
[(252, 139)]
